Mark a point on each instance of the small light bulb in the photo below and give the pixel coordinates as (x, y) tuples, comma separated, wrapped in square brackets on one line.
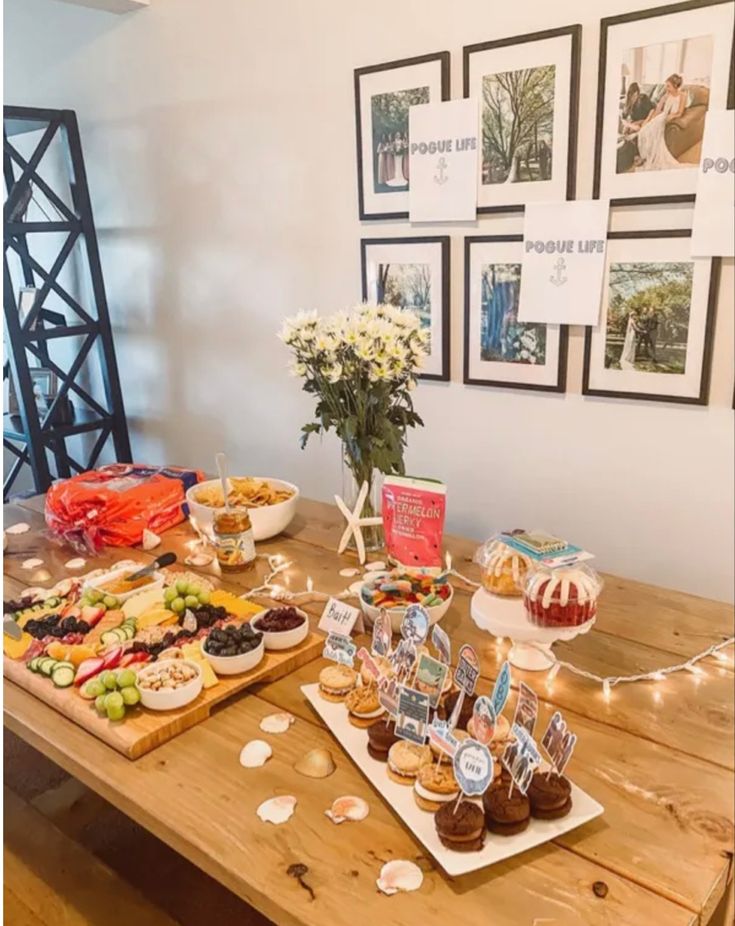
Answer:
[(448, 561), (309, 584), (721, 657), (659, 676), (500, 640), (606, 690), (657, 696), (695, 670), (553, 672)]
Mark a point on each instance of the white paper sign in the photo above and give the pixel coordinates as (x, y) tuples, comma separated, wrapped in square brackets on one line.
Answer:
[(339, 617), (564, 248), (443, 161), (713, 228)]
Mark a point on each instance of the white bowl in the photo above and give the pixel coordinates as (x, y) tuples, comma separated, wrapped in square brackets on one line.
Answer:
[(95, 583), (267, 521), (234, 665), (282, 639), (436, 612), (167, 699)]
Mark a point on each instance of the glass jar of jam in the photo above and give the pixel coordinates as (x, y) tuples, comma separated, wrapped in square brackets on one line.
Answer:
[(233, 539)]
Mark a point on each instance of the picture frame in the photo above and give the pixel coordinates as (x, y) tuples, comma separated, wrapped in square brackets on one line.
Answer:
[(382, 128), (413, 273), (536, 163), (655, 336), (498, 350), (660, 71)]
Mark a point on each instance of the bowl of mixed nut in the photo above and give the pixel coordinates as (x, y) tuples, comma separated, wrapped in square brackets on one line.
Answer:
[(169, 683)]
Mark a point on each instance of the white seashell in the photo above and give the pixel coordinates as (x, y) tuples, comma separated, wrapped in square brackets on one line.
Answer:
[(150, 540), (277, 809), (199, 559), (348, 573), (317, 763), (399, 875), (76, 563), (277, 723), (356, 587), (255, 753), (63, 588), (36, 593), (20, 528), (374, 567), (348, 808), (31, 563)]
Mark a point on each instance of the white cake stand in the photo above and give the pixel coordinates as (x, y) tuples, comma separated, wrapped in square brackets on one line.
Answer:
[(506, 617)]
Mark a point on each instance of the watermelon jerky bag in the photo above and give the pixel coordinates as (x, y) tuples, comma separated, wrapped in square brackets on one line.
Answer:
[(413, 520)]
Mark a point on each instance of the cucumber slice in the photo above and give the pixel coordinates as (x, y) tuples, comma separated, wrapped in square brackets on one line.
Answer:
[(63, 675), (128, 630), (47, 665), (33, 664), (109, 636), (66, 665)]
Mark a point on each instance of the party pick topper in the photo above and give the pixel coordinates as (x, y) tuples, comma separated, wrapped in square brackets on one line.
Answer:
[(339, 649), (558, 743), (388, 694), (368, 663), (473, 767), (413, 715), (501, 690), (415, 624), (468, 669), (441, 642), (430, 677), (403, 658), (483, 720), (521, 758), (440, 736), (526, 708), (382, 633)]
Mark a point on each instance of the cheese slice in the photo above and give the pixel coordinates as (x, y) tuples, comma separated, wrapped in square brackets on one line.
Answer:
[(16, 649), (144, 601), (234, 605)]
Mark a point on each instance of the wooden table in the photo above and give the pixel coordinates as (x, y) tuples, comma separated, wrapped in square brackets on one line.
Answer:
[(658, 757)]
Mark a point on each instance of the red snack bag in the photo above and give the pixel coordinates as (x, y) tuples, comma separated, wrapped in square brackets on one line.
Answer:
[(113, 504), (413, 520)]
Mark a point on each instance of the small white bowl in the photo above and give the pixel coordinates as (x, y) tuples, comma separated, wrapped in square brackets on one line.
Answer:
[(282, 639), (95, 583), (436, 612), (234, 665), (167, 699), (267, 520)]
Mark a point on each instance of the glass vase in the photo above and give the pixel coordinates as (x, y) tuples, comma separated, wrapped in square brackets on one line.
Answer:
[(353, 476)]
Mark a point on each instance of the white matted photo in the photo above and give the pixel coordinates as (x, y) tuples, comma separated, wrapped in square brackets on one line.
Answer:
[(498, 349), (654, 339), (384, 93), (527, 87), (661, 70), (413, 274)]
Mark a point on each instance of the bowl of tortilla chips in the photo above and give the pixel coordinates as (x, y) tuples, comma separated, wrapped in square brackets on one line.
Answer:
[(271, 503)]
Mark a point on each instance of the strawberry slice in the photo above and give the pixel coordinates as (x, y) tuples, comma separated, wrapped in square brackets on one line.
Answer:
[(112, 659), (72, 610), (130, 659), (92, 614), (88, 669)]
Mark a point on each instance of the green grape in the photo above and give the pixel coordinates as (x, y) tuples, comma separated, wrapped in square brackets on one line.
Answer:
[(194, 589), (109, 601), (108, 680), (94, 596), (170, 594), (182, 587), (130, 696), (126, 678), (178, 605), (84, 601), (95, 688), (113, 699), (116, 713), (191, 601), (204, 597), (99, 705)]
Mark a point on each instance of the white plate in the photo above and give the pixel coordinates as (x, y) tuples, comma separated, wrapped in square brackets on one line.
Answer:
[(421, 823)]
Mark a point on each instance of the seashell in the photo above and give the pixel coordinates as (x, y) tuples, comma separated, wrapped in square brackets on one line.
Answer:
[(199, 559), (255, 753), (348, 573), (35, 593), (317, 763), (63, 588), (399, 875), (356, 587), (277, 723), (20, 528), (150, 540), (77, 563), (348, 808), (377, 566), (277, 809), (32, 563)]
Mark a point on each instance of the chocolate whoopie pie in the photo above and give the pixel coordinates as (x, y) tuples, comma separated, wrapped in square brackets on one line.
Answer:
[(465, 714), (381, 736), (506, 815), (460, 827), (550, 797)]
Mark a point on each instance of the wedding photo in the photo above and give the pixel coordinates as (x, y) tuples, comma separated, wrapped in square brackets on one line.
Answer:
[(503, 338), (407, 287), (648, 317), (390, 137), (517, 125), (664, 97)]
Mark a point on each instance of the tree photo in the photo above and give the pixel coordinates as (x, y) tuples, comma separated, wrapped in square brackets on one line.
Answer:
[(502, 337), (517, 125), (408, 287)]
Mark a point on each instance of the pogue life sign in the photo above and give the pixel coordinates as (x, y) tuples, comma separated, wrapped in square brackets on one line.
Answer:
[(564, 247), (713, 228), (442, 154)]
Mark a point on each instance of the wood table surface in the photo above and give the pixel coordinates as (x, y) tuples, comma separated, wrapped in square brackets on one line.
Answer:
[(659, 757)]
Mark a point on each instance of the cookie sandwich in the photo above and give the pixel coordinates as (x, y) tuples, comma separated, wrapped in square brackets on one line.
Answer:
[(460, 826), (404, 761), (336, 682), (364, 708), (550, 796), (435, 785)]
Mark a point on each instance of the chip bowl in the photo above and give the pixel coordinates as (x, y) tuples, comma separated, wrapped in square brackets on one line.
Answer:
[(267, 520)]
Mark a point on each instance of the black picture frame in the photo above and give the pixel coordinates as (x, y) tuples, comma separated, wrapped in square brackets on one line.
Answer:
[(605, 25), (442, 57), (714, 287), (444, 242), (575, 32), (561, 383)]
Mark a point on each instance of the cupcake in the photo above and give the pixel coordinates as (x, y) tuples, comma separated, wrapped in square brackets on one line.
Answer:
[(504, 568), (364, 708), (336, 682), (435, 785), (460, 827)]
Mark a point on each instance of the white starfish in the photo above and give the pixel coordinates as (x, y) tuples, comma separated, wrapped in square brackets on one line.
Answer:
[(355, 522)]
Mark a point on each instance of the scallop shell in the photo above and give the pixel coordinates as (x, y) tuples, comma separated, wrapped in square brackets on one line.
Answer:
[(399, 875), (348, 808), (377, 566), (277, 723), (199, 559), (32, 563), (317, 763), (277, 809), (77, 563), (348, 573), (20, 528), (255, 753), (150, 540)]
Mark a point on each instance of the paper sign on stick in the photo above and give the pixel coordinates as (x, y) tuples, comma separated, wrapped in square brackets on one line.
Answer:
[(558, 743), (339, 648), (338, 617), (713, 229), (473, 767), (415, 624), (526, 708), (388, 694), (483, 720), (501, 690), (403, 658), (430, 677), (413, 715), (564, 247), (521, 758), (368, 663), (440, 736), (382, 633), (441, 642), (468, 669)]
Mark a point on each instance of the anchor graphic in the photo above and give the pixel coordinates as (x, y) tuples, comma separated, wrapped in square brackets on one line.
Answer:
[(559, 279), (441, 167)]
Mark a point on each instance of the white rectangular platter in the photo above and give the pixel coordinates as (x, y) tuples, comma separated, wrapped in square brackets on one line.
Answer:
[(421, 823)]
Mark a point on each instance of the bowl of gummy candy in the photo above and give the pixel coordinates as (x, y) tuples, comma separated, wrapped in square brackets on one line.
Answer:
[(398, 589)]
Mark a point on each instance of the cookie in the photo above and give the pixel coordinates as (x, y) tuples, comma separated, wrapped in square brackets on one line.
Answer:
[(404, 761), (435, 785), (505, 815), (364, 707), (460, 827), (336, 682), (550, 797), (381, 736), (465, 714)]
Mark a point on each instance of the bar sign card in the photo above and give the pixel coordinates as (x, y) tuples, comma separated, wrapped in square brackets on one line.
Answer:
[(339, 618)]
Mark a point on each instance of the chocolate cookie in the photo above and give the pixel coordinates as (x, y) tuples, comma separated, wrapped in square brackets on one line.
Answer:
[(550, 797), (381, 736), (506, 815), (460, 826), (465, 714)]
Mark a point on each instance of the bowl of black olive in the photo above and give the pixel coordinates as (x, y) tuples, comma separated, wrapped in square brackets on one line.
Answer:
[(233, 649)]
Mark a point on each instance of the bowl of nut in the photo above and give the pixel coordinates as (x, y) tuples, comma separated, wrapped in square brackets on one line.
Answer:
[(233, 649), (169, 683)]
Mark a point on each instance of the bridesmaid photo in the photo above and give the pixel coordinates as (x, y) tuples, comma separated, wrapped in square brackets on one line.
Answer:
[(390, 137)]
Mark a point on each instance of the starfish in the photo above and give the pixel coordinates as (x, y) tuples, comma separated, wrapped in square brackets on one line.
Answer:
[(355, 523)]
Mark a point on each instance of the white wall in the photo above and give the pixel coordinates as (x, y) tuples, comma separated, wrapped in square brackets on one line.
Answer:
[(220, 149)]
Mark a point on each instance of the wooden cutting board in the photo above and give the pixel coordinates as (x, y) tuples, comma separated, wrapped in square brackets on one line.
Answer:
[(143, 730)]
